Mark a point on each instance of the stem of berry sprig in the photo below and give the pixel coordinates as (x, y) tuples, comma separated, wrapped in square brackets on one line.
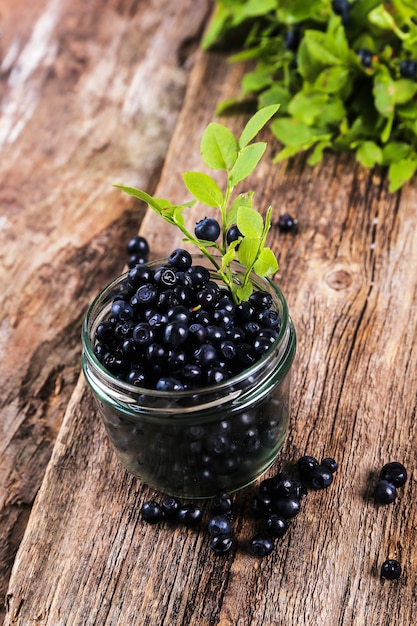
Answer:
[(242, 229)]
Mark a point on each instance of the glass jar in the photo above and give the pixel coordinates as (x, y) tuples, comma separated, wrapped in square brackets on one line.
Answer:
[(195, 443)]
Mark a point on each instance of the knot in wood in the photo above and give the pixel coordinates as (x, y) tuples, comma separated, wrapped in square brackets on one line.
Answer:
[(339, 279)]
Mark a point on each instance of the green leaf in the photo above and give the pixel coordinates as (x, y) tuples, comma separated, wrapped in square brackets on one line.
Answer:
[(266, 263), (244, 200), (333, 79), (246, 161), (288, 152), (248, 251), (400, 172), (384, 94), (157, 204), (249, 222), (204, 188), (292, 132), (317, 154), (218, 147), (395, 151), (368, 153), (307, 107), (228, 257), (404, 90), (244, 292), (256, 123)]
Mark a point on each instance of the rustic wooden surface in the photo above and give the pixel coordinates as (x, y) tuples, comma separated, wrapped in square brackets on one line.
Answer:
[(349, 275)]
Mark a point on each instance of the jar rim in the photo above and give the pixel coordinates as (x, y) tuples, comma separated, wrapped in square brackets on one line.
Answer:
[(124, 387)]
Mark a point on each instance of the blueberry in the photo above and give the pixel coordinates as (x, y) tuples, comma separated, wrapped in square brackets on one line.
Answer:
[(306, 463), (390, 569), (408, 68), (395, 473), (365, 57), (222, 503), (207, 229), (175, 334), (147, 294), (292, 39), (169, 383), (121, 310), (262, 544), (261, 300), (330, 463), (138, 246), (199, 276), (170, 507), (205, 355), (181, 259), (233, 234), (385, 492), (189, 515), (139, 275), (342, 8), (261, 504), (219, 525), (143, 334), (320, 477), (276, 525), (221, 544), (286, 223), (151, 512), (286, 507)]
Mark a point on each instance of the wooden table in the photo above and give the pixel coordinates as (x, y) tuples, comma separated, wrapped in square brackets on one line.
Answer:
[(118, 91)]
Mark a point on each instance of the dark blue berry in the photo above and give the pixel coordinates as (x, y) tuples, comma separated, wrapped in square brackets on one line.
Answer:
[(206, 354), (390, 569), (395, 473), (151, 512), (286, 507), (207, 229), (306, 463), (385, 492), (408, 68), (169, 383), (286, 223), (342, 8), (365, 57), (139, 275), (330, 463), (222, 503), (219, 525), (143, 334), (147, 294), (199, 275), (189, 515), (221, 544), (320, 477), (138, 246), (170, 507), (233, 234), (262, 544), (181, 259), (176, 333), (276, 525)]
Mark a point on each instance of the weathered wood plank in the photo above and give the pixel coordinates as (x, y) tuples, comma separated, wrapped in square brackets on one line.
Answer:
[(90, 93), (350, 281)]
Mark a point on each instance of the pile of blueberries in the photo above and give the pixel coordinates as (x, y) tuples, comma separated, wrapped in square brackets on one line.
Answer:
[(278, 499), (172, 328)]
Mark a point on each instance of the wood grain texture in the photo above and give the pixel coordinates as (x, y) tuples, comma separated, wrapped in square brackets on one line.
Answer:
[(350, 281), (90, 93)]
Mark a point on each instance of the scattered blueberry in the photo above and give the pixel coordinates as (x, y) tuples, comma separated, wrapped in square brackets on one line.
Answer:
[(286, 223), (390, 569), (189, 515), (151, 512), (320, 477), (276, 525), (219, 525), (170, 507), (262, 544), (395, 473), (330, 463), (222, 503), (385, 492), (221, 544)]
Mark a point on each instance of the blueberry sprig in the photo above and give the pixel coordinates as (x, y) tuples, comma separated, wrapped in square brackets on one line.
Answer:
[(240, 231), (344, 72)]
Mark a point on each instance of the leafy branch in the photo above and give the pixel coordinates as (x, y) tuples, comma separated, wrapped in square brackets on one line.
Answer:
[(238, 158), (344, 72)]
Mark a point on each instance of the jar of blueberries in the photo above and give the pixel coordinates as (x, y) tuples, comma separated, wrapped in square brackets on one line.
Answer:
[(193, 389)]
